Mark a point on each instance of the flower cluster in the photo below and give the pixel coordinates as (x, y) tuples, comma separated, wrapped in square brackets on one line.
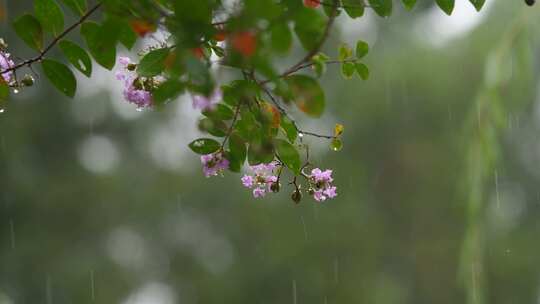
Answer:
[(321, 184), (6, 63), (136, 89), (262, 179), (204, 103), (214, 163)]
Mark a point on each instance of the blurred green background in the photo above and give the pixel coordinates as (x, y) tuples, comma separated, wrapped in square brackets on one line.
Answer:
[(439, 197)]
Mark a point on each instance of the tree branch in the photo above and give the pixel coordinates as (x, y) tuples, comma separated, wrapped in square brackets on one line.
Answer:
[(284, 113), (44, 52)]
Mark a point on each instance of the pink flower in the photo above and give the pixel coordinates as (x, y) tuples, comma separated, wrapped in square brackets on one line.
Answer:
[(213, 164), (6, 63), (247, 181), (133, 93), (321, 184), (259, 192), (318, 196), (261, 179), (204, 103), (330, 192)]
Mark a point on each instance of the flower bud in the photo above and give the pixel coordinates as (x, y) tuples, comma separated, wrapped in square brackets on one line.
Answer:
[(3, 44), (311, 191), (275, 187), (27, 81), (530, 2), (296, 196)]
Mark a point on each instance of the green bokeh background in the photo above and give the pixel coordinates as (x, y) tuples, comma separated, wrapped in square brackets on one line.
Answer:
[(438, 186)]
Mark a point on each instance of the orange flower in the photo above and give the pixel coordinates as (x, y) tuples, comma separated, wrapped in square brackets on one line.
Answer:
[(275, 114), (198, 52), (142, 27), (220, 36), (312, 3), (245, 43)]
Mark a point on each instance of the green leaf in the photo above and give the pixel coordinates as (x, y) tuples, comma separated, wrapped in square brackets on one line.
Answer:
[(289, 129), (77, 6), (216, 128), (288, 155), (478, 4), (309, 27), (409, 4), (336, 144), (383, 8), (153, 63), (101, 43), (354, 8), (77, 56), (362, 48), (446, 5), (344, 51), (221, 112), (219, 51), (347, 70), (362, 70), (60, 76), (50, 15), (281, 37), (204, 146), (308, 95), (238, 152), (126, 35), (260, 152), (29, 30), (166, 91), (319, 68)]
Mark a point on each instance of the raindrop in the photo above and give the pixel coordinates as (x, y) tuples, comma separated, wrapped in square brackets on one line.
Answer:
[(12, 233), (15, 91), (48, 291), (497, 195), (336, 271), (2, 111), (92, 286), (304, 225), (300, 134), (294, 291), (139, 109)]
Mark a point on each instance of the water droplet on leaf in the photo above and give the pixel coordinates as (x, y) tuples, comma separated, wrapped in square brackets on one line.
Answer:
[(336, 144)]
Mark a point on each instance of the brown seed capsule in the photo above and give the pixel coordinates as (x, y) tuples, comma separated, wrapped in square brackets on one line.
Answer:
[(28, 80), (275, 187), (131, 67), (530, 2), (296, 196)]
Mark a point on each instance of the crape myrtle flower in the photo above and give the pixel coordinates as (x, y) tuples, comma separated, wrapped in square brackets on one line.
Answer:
[(321, 185), (204, 103), (136, 89), (262, 179), (214, 164), (6, 63)]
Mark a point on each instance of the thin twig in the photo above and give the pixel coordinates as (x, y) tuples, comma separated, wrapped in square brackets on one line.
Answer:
[(229, 132), (42, 54), (315, 50), (284, 113)]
